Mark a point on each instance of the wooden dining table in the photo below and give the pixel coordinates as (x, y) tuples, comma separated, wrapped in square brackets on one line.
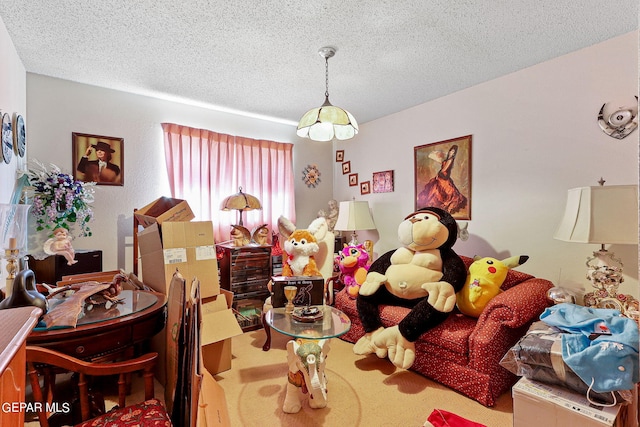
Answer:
[(104, 333)]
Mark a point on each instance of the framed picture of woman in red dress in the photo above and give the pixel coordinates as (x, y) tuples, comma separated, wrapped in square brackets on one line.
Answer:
[(443, 176)]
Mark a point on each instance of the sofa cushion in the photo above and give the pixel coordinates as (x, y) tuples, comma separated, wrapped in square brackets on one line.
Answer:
[(451, 335)]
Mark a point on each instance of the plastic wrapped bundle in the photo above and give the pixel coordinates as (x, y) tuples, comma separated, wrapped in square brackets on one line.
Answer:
[(538, 356)]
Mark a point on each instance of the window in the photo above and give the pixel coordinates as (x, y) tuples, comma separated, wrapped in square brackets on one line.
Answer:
[(204, 167)]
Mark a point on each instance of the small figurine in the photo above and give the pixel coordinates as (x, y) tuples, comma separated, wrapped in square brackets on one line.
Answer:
[(240, 235), (60, 244), (260, 235), (332, 215)]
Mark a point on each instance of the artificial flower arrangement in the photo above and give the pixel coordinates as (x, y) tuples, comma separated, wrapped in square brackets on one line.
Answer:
[(59, 201)]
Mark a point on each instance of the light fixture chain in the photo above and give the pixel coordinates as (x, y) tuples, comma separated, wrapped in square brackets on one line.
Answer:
[(326, 77)]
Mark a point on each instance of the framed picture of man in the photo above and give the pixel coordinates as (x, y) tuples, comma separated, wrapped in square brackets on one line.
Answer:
[(98, 159), (443, 176)]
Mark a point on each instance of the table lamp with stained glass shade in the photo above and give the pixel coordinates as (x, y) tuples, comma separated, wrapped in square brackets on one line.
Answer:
[(353, 216), (241, 202), (603, 214)]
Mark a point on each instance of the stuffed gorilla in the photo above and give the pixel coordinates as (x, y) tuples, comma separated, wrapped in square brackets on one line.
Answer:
[(423, 275)]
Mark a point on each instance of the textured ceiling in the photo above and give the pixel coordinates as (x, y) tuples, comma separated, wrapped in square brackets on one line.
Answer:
[(260, 56)]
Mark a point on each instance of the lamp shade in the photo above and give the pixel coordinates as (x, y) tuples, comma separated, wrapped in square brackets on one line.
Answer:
[(600, 214), (354, 216), (327, 122), (240, 201)]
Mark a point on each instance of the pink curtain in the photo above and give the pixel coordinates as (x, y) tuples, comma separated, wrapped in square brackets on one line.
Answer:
[(204, 167)]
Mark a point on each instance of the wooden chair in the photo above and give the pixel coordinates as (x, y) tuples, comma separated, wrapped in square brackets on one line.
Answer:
[(42, 362)]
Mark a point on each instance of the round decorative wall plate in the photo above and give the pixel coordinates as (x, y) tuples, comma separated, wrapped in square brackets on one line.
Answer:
[(7, 138), (19, 136)]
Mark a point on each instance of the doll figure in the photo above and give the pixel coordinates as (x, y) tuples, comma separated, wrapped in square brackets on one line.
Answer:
[(60, 244)]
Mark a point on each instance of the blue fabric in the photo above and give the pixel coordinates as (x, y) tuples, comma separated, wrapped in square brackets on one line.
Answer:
[(609, 361)]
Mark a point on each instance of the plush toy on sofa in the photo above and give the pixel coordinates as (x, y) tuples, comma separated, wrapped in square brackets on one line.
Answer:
[(353, 262), (485, 277), (423, 275)]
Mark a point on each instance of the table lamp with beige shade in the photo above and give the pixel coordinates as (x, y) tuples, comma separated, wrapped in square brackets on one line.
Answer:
[(603, 214), (353, 216)]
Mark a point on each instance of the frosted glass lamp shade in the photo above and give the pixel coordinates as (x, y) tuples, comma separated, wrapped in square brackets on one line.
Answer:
[(13, 227), (327, 122)]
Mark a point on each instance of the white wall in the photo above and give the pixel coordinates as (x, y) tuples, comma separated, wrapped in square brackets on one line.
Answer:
[(12, 100), (56, 108), (535, 135)]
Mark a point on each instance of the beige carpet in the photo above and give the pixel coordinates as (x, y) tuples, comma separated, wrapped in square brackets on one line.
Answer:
[(363, 391)]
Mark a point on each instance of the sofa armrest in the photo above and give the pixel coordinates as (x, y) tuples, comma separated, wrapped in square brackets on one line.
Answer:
[(504, 320), (518, 305)]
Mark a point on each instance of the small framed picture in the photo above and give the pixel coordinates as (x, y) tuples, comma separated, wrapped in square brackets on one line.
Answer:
[(383, 182), (339, 155), (346, 168), (365, 187), (353, 180), (98, 159)]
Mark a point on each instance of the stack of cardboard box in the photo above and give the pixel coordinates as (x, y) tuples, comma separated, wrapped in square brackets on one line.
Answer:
[(170, 242)]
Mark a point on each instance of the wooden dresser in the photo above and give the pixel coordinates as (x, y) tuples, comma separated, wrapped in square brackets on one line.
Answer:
[(16, 323)]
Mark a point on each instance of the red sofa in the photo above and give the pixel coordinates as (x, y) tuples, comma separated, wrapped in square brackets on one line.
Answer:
[(463, 353)]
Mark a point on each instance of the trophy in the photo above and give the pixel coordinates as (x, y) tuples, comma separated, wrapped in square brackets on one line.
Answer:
[(289, 293)]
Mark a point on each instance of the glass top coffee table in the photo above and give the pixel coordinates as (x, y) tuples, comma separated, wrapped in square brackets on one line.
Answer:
[(307, 353), (333, 324)]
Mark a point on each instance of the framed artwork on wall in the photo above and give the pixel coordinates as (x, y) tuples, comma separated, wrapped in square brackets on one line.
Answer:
[(339, 155), (346, 168), (365, 187), (383, 182), (353, 180), (98, 159), (442, 173)]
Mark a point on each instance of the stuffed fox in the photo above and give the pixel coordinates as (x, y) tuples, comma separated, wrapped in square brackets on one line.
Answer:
[(300, 247)]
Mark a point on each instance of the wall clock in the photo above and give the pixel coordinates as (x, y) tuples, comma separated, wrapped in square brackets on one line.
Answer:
[(311, 176), (19, 136), (7, 138)]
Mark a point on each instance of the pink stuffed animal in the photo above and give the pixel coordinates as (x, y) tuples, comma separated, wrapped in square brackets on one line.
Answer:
[(353, 262)]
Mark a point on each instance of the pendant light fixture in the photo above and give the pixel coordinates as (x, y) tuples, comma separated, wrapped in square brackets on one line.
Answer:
[(327, 121)]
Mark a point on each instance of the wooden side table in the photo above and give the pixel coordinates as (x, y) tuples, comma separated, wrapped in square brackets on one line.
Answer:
[(16, 325)]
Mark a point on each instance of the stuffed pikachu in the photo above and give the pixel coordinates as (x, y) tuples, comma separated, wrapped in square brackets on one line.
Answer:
[(484, 279)]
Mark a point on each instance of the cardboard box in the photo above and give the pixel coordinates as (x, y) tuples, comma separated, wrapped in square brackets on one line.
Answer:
[(310, 290), (212, 404), (537, 404), (162, 210), (187, 247), (219, 324)]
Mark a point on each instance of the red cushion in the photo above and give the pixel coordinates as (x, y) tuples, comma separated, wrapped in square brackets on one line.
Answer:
[(148, 413)]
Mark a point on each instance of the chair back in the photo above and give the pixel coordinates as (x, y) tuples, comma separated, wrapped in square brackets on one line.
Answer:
[(46, 363)]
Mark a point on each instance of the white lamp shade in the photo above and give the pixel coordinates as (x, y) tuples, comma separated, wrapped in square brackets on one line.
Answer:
[(601, 214), (354, 216)]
